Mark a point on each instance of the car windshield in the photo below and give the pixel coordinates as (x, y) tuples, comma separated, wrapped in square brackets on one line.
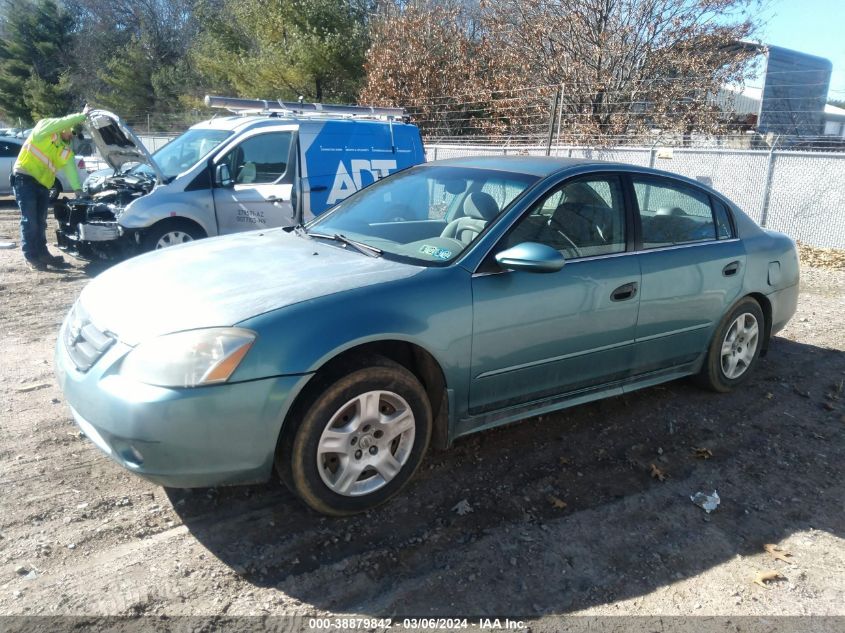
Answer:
[(186, 150), (425, 215)]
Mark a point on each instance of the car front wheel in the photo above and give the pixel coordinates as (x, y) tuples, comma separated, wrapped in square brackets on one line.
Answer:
[(735, 347), (361, 438)]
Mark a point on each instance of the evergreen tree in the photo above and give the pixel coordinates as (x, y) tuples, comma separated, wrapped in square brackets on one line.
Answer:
[(33, 60), (283, 48)]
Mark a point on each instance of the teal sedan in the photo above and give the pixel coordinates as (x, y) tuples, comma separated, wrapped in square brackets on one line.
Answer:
[(445, 299)]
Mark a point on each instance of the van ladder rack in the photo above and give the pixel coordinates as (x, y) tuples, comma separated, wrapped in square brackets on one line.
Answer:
[(238, 105)]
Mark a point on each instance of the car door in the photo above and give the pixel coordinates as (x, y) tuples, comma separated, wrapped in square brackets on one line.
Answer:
[(536, 335), (257, 193), (692, 270), (8, 155)]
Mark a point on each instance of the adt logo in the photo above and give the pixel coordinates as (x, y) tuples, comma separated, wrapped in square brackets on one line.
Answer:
[(346, 183)]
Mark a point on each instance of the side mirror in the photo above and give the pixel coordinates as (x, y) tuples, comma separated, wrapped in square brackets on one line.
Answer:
[(222, 176), (531, 257)]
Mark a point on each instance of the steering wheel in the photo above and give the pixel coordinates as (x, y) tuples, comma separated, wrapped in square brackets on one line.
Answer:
[(554, 224)]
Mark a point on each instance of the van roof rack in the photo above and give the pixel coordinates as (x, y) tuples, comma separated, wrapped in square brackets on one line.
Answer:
[(238, 105)]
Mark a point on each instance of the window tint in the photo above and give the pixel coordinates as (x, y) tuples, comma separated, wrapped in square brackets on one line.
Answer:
[(673, 214), (580, 219), (724, 229), (260, 159)]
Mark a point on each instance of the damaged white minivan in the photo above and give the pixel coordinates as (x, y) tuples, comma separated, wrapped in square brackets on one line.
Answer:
[(266, 164)]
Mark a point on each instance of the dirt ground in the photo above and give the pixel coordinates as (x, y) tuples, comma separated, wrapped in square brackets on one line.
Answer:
[(567, 515)]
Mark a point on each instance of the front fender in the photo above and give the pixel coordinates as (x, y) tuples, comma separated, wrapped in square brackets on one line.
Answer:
[(432, 310), (163, 203)]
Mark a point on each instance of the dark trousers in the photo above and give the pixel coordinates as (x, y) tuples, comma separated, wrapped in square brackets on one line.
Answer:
[(33, 199)]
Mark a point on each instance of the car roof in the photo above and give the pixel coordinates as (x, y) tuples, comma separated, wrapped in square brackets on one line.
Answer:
[(542, 166), (530, 165)]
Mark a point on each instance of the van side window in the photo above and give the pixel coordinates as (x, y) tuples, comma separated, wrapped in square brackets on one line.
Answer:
[(672, 213), (260, 159)]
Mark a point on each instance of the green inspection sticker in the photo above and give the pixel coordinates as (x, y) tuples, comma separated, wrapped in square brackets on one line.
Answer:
[(434, 251)]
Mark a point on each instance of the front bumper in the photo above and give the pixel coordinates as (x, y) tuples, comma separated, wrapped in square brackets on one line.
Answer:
[(183, 438)]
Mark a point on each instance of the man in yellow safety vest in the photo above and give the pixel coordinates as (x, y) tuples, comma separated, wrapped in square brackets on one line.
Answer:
[(45, 152)]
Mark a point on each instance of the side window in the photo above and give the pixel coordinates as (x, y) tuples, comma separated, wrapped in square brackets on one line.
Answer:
[(584, 218), (260, 159), (672, 213), (724, 228)]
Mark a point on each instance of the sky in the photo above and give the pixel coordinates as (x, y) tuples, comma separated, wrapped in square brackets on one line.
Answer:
[(810, 26)]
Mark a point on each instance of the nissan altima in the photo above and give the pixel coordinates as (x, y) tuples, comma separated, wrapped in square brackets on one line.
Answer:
[(442, 300)]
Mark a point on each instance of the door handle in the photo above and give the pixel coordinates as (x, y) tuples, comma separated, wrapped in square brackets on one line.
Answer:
[(623, 293), (730, 269), (318, 188)]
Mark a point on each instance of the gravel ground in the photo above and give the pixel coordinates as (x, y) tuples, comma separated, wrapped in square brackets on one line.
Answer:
[(568, 515)]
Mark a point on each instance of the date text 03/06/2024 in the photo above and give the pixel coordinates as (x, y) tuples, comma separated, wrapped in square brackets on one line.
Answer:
[(411, 624)]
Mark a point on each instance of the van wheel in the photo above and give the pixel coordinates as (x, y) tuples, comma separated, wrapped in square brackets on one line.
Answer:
[(171, 233), (361, 438), (735, 347)]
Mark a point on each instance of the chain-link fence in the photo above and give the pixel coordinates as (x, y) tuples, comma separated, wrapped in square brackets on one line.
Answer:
[(799, 193)]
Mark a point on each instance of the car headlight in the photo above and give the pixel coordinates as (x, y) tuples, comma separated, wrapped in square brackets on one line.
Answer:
[(188, 359)]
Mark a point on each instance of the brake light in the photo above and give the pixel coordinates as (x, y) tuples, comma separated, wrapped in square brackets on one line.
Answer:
[(81, 163)]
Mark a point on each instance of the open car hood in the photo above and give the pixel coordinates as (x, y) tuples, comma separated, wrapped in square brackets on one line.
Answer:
[(117, 143)]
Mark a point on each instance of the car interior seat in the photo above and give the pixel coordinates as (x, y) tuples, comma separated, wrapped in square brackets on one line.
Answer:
[(479, 208), (247, 173)]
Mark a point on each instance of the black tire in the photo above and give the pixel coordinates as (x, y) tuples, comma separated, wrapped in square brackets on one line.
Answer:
[(334, 400), (157, 234), (713, 374)]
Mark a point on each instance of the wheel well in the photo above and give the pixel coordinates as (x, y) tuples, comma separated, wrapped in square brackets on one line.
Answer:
[(415, 359), (766, 307), (178, 221)]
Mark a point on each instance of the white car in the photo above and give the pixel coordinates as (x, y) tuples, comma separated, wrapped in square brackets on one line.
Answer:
[(10, 147)]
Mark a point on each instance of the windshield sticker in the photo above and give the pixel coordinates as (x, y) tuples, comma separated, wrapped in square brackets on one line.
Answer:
[(437, 253)]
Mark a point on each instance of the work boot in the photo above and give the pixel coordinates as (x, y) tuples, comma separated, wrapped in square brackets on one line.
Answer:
[(35, 264), (57, 261)]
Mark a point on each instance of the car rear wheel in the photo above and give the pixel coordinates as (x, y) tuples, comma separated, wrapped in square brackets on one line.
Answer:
[(171, 233), (363, 434), (735, 347)]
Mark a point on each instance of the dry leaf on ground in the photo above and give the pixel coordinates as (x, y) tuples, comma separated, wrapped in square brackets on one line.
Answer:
[(777, 553), (763, 576), (702, 453), (658, 474), (557, 502), (831, 258)]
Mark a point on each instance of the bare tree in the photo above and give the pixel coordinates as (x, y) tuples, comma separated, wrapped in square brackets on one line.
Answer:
[(621, 66), (425, 56)]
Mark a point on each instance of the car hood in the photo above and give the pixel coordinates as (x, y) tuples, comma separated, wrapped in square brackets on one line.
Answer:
[(222, 281), (117, 143)]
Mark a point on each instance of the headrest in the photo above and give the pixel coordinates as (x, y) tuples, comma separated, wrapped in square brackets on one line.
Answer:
[(674, 211), (481, 206)]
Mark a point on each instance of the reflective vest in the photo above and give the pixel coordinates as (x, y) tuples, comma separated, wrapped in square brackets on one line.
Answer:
[(44, 153)]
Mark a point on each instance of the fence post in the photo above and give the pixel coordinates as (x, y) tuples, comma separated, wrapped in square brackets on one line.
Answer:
[(767, 186), (652, 153), (435, 153), (552, 113), (559, 118)]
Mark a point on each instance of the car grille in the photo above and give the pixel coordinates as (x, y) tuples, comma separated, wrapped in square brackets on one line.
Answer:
[(84, 342)]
